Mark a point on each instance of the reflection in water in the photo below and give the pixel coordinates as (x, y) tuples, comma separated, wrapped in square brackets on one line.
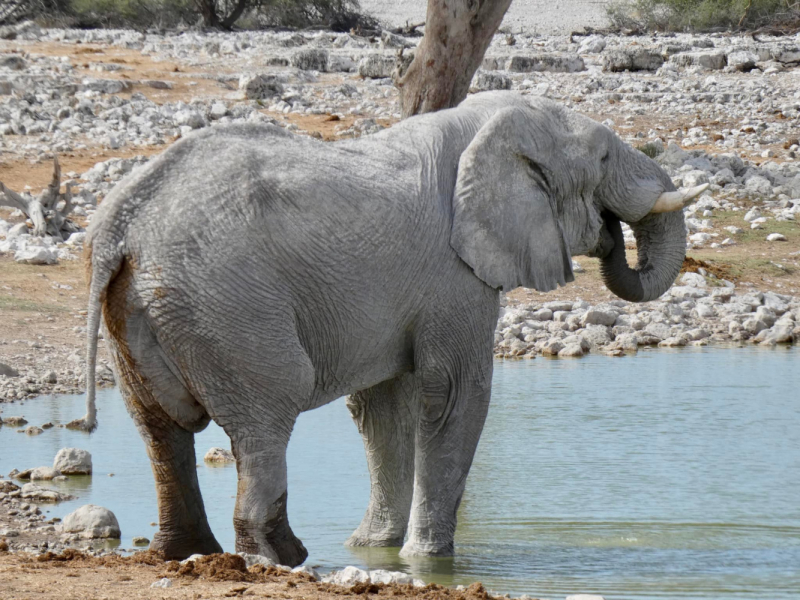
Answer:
[(669, 474)]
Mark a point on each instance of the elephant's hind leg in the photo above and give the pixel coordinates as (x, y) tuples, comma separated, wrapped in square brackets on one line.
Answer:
[(386, 416), (166, 416)]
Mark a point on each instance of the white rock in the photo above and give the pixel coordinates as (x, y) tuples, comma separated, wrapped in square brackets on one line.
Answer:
[(387, 577), (776, 237), (347, 577), (73, 461), (195, 557), (307, 570), (188, 118), (90, 521), (219, 455), (44, 474), (164, 583), (597, 316), (693, 280), (37, 255)]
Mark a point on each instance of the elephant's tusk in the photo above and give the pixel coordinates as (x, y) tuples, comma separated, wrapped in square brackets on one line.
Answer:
[(672, 201)]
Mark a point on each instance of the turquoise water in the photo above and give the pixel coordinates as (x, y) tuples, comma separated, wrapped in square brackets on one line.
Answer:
[(670, 474)]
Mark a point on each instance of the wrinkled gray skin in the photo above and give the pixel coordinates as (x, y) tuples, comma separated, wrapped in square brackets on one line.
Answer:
[(247, 275)]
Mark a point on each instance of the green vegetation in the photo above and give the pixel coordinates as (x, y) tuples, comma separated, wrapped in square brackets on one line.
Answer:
[(651, 149), (703, 15), (338, 15)]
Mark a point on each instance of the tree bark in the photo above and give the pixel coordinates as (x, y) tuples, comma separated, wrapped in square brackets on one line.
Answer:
[(228, 21), (457, 34)]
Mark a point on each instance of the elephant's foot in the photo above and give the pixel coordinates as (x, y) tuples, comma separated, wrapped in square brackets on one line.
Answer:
[(377, 535), (180, 546), (414, 548), (281, 546)]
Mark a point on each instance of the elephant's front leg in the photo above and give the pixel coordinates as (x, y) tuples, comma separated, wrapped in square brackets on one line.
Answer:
[(386, 416), (454, 405), (260, 518)]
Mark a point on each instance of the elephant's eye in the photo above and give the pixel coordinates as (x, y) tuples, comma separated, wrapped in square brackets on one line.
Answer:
[(538, 173), (605, 158)]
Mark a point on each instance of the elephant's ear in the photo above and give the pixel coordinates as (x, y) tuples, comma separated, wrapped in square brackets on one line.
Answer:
[(505, 215)]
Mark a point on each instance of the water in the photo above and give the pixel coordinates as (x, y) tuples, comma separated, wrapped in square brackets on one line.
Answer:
[(672, 474)]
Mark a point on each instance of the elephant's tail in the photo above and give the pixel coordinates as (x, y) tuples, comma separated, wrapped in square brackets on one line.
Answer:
[(102, 266)]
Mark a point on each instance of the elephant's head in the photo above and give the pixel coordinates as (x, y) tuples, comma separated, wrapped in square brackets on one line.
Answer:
[(539, 183)]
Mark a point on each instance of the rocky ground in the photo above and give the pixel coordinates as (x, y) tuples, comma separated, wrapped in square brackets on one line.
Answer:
[(718, 109)]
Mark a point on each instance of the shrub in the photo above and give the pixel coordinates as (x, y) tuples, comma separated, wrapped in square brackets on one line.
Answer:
[(702, 15)]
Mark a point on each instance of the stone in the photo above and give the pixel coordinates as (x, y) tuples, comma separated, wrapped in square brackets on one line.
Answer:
[(550, 63), (44, 474), (36, 493), (597, 316), (219, 455), (347, 577), (674, 156), (776, 237), (163, 583), (694, 280), (73, 461), (305, 569), (260, 87), (50, 377), (91, 522), (376, 66), (15, 421), (310, 59), (594, 44), (543, 314), (217, 110), (632, 59), (8, 371), (189, 118), (37, 255), (141, 541), (713, 61), (157, 84), (758, 185), (389, 577), (571, 351), (105, 86), (491, 80), (552, 347), (742, 60)]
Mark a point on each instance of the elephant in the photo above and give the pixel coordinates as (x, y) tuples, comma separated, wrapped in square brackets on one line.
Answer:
[(248, 274)]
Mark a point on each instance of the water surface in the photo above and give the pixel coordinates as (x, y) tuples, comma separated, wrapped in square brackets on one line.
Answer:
[(671, 474)]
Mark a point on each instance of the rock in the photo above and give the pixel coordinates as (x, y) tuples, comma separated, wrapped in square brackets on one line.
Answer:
[(594, 44), (552, 347), (50, 377), (189, 118), (571, 351), (693, 280), (597, 316), (310, 59), (787, 54), (249, 559), (376, 66), (35, 493), (9, 533), (217, 110), (714, 61), (15, 421), (758, 185), (73, 461), (91, 522), (491, 80), (632, 59), (308, 571), (163, 583), (674, 156), (44, 474), (751, 215), (551, 63), (260, 87), (106, 86), (12, 61), (742, 60), (543, 314), (219, 455), (347, 577), (389, 577), (776, 237), (8, 371), (37, 255), (141, 541)]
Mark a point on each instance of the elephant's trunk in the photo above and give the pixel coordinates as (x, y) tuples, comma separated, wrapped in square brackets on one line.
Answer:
[(661, 245)]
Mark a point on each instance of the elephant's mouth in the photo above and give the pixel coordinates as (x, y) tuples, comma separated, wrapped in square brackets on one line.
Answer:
[(606, 241)]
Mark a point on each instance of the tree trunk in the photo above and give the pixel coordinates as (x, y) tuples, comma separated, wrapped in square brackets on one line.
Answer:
[(228, 21), (457, 34), (45, 212), (208, 10)]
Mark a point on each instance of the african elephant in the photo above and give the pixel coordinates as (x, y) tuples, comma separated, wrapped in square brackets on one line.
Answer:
[(247, 275)]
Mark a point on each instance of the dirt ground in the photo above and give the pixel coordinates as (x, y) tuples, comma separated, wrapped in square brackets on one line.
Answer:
[(75, 576)]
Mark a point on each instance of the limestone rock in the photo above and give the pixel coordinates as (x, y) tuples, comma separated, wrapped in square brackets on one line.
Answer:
[(219, 455), (376, 66), (90, 521), (551, 63), (632, 59), (260, 87), (73, 461)]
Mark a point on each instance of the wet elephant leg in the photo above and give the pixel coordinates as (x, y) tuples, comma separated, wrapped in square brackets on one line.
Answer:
[(386, 416), (183, 525), (260, 518)]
